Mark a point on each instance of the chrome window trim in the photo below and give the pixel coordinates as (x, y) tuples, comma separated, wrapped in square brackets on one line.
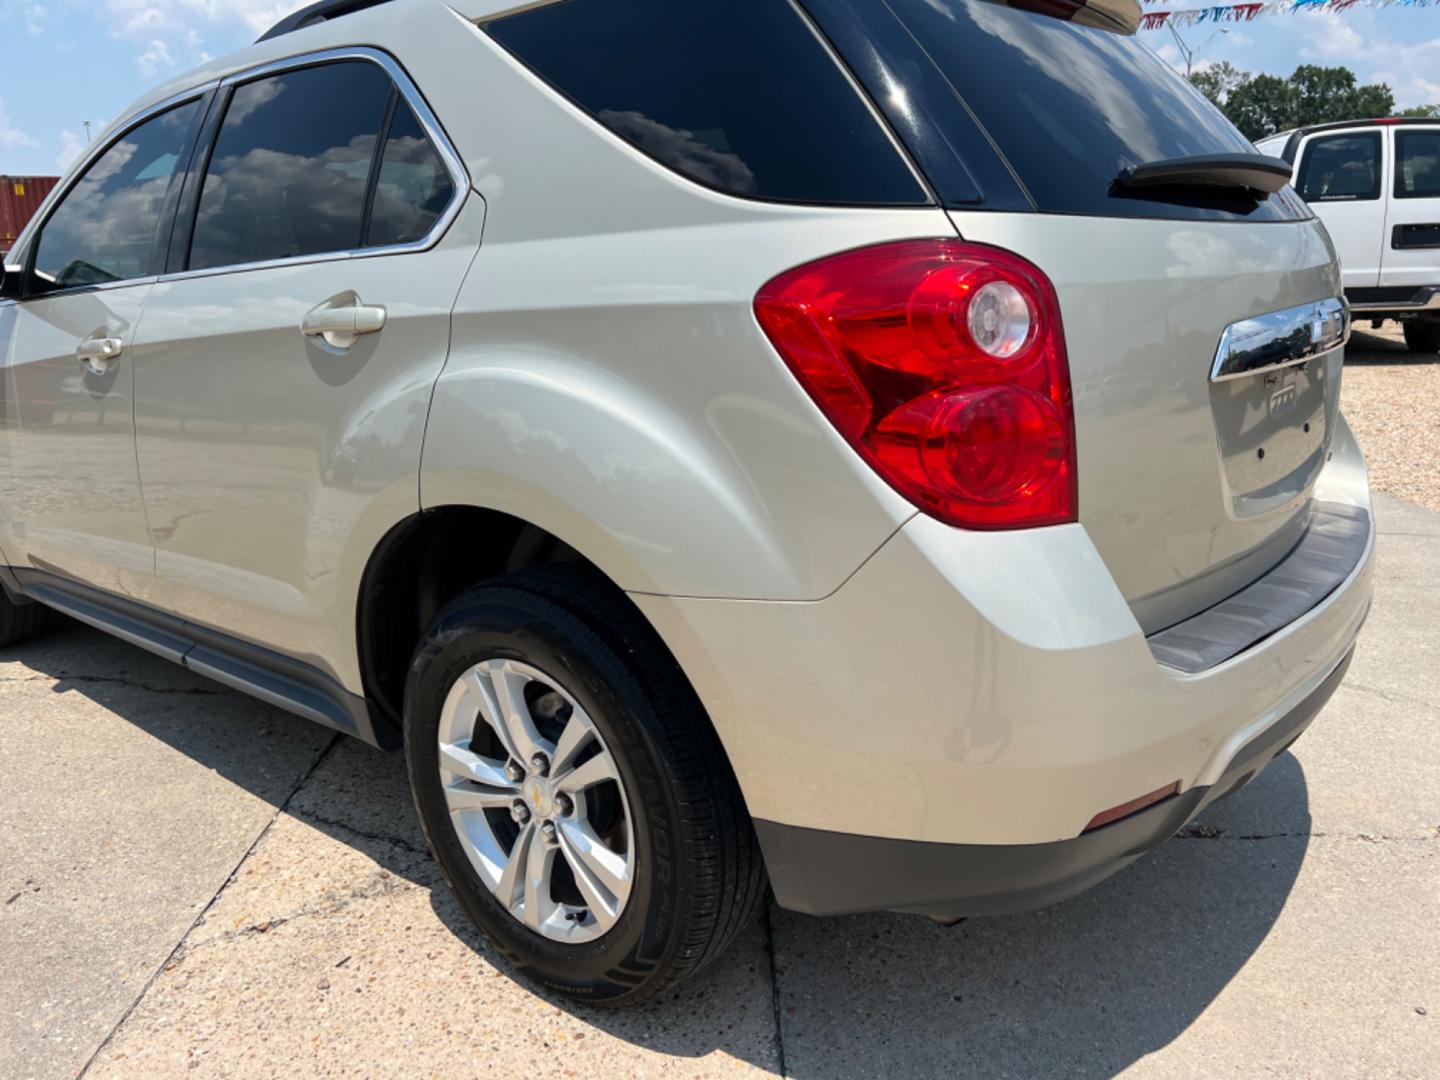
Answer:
[(449, 157), (77, 172), (1280, 339)]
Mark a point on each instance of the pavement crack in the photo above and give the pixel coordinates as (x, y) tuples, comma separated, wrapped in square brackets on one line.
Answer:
[(178, 951), (775, 990), (1211, 832), (311, 818), (1385, 695), (388, 885)]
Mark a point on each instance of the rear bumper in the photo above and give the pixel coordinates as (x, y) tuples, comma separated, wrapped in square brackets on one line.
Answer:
[(826, 873), (990, 694)]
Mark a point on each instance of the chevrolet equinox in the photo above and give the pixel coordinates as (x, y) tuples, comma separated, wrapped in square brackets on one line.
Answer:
[(885, 450)]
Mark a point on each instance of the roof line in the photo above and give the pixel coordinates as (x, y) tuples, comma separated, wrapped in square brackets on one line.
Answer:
[(317, 13)]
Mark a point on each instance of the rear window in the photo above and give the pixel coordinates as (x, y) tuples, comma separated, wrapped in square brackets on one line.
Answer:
[(1417, 173), (738, 95), (1341, 168), (1070, 106)]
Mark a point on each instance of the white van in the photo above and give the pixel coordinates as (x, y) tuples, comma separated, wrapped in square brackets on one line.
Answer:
[(1376, 186)]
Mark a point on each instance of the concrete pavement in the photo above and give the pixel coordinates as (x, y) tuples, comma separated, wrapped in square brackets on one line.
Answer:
[(192, 883)]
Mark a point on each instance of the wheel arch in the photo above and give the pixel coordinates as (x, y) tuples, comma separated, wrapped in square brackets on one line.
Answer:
[(427, 559)]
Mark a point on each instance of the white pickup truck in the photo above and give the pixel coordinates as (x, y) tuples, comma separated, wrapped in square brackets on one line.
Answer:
[(1376, 186)]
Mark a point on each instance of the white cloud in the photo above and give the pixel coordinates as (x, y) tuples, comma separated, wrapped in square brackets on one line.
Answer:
[(11, 137), (29, 15), (71, 147), (1327, 36), (1411, 72), (155, 59), (142, 18), (171, 33), (1409, 67)]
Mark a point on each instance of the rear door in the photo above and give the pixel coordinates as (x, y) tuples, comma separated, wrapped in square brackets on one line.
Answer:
[(284, 369), (1412, 229), (1189, 486), (1343, 176)]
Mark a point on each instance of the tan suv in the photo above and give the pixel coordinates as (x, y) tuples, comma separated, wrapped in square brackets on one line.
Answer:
[(888, 450)]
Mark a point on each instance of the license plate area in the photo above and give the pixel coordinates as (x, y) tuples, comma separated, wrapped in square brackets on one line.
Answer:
[(1271, 433)]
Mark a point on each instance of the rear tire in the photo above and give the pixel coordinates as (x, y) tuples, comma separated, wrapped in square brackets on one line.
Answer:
[(19, 622), (1422, 335), (569, 647)]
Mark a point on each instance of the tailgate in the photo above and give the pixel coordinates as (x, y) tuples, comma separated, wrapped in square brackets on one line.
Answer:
[(1189, 487)]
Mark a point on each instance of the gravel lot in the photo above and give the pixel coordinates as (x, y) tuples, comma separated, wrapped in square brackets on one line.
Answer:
[(1392, 399)]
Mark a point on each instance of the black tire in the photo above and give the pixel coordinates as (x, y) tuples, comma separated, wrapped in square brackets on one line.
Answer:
[(698, 876), (1422, 335), (19, 622)]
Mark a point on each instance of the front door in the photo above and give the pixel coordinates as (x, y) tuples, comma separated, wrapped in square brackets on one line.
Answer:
[(73, 502), (284, 374)]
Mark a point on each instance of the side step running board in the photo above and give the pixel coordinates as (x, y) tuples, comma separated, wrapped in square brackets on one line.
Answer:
[(279, 680)]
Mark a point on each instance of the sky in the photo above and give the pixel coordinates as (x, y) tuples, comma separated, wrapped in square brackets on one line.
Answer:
[(63, 62)]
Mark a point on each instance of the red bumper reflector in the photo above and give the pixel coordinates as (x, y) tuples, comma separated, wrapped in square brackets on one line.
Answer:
[(1134, 806)]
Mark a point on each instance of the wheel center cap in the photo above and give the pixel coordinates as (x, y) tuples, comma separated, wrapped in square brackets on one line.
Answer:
[(539, 796)]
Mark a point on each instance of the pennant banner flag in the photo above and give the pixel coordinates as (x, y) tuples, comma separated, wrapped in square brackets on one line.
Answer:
[(1154, 20)]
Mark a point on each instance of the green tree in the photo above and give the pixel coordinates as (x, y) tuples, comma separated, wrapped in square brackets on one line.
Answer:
[(1261, 105), (1421, 111), (1218, 81)]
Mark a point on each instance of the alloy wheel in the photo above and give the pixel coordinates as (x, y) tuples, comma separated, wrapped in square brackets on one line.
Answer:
[(537, 800)]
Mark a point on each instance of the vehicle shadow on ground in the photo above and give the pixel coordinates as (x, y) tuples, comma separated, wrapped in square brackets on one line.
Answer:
[(1083, 989), (1370, 348)]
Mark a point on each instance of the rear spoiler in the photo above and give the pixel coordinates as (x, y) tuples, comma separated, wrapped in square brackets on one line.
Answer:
[(1259, 174), (1117, 16)]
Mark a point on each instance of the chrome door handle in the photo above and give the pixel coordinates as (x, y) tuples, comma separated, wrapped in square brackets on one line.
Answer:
[(340, 326), (96, 354)]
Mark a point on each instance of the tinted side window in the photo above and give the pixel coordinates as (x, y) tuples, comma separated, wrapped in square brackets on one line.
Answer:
[(1417, 164), (413, 188), (291, 165), (105, 228), (738, 95), (1341, 168)]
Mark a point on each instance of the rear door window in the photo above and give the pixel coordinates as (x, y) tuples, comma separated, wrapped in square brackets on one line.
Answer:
[(738, 95), (1070, 106), (1341, 168), (291, 166), (1417, 164)]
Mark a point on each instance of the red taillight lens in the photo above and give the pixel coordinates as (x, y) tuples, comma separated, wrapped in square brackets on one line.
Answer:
[(943, 363)]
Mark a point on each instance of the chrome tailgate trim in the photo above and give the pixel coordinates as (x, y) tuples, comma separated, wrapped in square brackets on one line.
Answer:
[(1281, 338)]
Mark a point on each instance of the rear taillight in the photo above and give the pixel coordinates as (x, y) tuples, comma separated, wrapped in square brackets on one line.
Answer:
[(942, 363)]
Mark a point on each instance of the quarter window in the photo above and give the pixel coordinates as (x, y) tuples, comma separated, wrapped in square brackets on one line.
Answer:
[(1341, 168), (291, 165), (105, 229), (1417, 164), (738, 95), (412, 189)]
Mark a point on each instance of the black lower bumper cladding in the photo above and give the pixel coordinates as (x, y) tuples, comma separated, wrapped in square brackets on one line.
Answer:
[(827, 873)]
